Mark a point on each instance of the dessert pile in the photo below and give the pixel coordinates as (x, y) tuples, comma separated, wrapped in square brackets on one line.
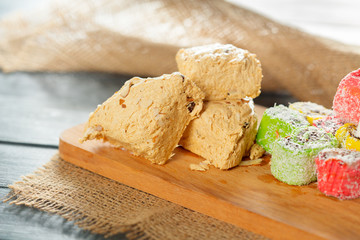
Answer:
[(310, 143), (206, 107)]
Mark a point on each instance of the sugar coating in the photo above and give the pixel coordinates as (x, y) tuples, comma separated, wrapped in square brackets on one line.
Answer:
[(346, 102), (311, 111), (338, 172), (345, 155), (287, 115), (278, 121), (310, 108), (309, 138), (223, 72), (330, 124), (293, 157)]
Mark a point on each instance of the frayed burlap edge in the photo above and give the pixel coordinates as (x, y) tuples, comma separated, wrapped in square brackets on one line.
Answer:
[(106, 207)]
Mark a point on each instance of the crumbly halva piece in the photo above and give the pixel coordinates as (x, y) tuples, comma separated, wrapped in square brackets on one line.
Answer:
[(256, 151), (224, 132), (221, 71), (147, 116), (202, 166)]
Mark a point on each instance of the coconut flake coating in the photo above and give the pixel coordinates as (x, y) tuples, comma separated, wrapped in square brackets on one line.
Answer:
[(293, 157), (277, 122), (330, 124), (338, 173), (310, 108), (346, 102), (312, 111)]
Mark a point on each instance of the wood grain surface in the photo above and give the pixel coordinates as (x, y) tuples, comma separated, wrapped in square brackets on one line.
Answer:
[(249, 197), (36, 107)]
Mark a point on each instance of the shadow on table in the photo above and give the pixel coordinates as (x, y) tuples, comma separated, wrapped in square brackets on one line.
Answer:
[(268, 99)]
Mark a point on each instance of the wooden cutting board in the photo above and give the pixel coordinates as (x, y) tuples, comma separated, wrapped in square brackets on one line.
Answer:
[(249, 197)]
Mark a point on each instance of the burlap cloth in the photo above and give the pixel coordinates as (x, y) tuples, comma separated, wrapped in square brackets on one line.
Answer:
[(141, 37), (104, 206)]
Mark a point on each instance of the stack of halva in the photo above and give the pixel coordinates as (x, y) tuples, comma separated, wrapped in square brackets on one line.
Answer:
[(206, 107)]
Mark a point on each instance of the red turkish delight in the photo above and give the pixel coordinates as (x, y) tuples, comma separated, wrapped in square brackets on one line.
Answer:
[(347, 98), (338, 173)]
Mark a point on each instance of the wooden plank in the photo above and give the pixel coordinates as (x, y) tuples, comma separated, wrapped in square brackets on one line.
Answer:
[(23, 223), (16, 161), (245, 196), (36, 107)]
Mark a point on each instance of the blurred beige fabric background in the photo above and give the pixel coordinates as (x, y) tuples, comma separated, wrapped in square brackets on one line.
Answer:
[(142, 38)]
